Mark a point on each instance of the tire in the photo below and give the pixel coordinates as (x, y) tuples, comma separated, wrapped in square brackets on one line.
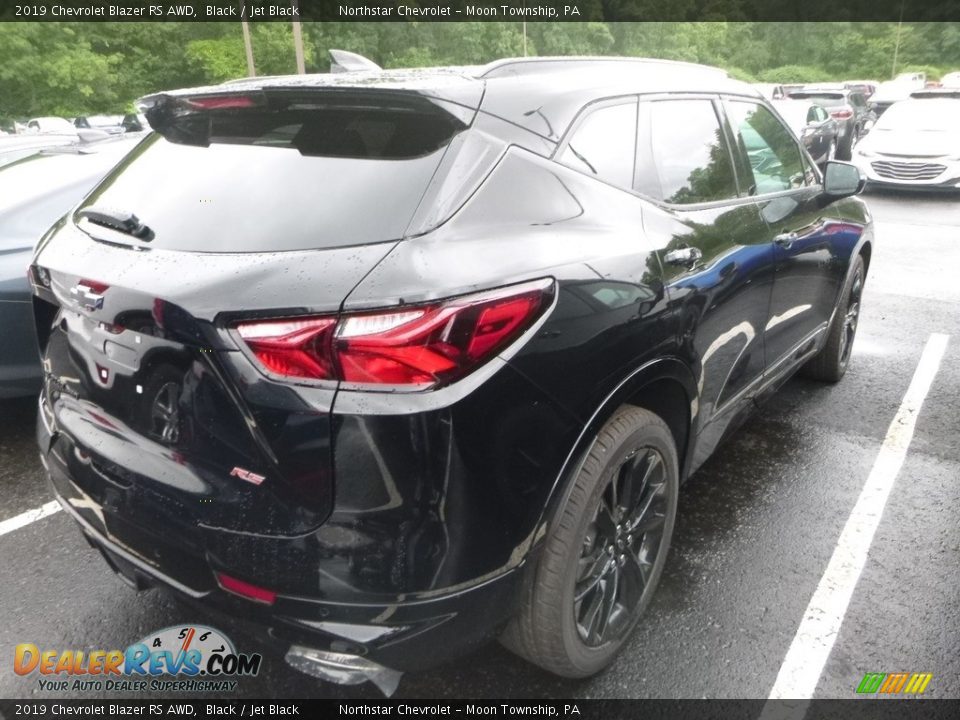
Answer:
[(830, 364), (592, 551)]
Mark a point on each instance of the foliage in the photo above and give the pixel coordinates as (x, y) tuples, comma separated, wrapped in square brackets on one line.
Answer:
[(794, 74), (81, 68)]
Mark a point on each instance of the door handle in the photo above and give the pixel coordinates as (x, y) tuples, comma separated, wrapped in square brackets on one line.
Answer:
[(686, 256), (786, 239)]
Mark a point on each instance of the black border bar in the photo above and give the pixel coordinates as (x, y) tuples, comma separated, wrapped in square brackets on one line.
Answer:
[(478, 10), (571, 709)]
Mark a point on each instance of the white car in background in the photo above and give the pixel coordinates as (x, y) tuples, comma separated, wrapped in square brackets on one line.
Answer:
[(915, 143), (51, 126)]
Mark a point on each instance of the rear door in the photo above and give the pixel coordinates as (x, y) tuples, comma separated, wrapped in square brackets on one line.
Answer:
[(716, 252), (809, 267)]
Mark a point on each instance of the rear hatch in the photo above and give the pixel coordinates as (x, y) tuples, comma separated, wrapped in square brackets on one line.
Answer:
[(249, 206)]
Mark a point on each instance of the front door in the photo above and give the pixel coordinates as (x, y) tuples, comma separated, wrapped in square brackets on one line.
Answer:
[(808, 272)]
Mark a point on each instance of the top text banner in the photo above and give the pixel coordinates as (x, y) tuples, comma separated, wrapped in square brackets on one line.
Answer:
[(473, 11)]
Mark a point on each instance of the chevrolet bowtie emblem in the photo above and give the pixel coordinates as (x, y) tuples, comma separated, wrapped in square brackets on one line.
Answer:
[(89, 300)]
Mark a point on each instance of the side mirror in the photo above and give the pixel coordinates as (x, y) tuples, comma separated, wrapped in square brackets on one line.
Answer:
[(842, 179), (867, 126)]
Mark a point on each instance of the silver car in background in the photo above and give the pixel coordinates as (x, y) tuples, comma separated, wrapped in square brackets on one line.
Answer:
[(916, 143)]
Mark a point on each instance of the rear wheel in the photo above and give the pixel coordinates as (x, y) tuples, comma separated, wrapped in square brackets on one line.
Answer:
[(604, 556), (831, 362)]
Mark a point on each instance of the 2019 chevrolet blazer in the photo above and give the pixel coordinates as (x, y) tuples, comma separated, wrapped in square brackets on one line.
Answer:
[(392, 363)]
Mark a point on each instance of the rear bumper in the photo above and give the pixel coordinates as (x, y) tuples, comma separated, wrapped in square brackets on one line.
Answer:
[(401, 636)]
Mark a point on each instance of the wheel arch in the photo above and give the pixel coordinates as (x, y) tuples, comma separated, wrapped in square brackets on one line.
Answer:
[(666, 387)]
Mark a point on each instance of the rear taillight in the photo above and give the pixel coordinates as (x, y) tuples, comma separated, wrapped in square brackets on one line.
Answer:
[(841, 114), (297, 348), (418, 346)]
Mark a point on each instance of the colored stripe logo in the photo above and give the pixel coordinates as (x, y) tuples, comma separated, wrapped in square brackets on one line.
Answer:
[(894, 683)]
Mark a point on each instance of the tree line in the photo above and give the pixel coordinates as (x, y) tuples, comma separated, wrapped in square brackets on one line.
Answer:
[(71, 69)]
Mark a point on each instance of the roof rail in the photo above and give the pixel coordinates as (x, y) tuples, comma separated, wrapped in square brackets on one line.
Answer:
[(517, 66)]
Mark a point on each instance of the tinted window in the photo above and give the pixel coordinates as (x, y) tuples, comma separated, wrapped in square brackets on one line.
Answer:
[(773, 154), (690, 156), (260, 181), (604, 144)]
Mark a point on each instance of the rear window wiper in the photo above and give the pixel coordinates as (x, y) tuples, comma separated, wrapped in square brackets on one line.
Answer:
[(120, 220)]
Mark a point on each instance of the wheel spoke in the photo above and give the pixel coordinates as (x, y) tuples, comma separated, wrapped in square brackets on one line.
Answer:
[(590, 618), (610, 592), (650, 514), (606, 522), (595, 569), (636, 574)]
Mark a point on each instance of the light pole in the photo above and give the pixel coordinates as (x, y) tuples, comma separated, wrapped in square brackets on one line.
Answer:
[(298, 40), (896, 48), (248, 48)]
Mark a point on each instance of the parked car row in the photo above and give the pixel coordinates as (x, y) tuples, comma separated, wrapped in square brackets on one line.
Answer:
[(905, 134), (108, 124)]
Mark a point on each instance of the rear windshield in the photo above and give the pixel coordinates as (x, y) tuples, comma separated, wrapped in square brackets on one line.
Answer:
[(256, 180)]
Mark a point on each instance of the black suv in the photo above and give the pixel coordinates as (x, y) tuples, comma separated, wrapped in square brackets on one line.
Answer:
[(394, 363)]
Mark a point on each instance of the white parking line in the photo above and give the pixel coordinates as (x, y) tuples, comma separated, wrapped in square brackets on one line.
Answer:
[(28, 517), (803, 665)]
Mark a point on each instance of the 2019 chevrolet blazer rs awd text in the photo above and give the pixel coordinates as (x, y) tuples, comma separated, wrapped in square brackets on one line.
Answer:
[(392, 363)]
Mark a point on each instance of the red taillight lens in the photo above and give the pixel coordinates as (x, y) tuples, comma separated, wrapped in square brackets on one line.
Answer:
[(298, 348), (221, 102), (841, 114), (419, 346)]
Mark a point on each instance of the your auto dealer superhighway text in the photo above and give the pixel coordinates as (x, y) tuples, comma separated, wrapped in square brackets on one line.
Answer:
[(486, 709)]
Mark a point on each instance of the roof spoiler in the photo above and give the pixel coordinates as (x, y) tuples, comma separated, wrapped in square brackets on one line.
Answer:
[(937, 93), (344, 61)]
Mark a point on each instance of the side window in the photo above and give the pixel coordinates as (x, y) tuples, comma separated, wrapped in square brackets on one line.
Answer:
[(689, 154), (812, 114), (772, 152), (821, 113), (604, 144)]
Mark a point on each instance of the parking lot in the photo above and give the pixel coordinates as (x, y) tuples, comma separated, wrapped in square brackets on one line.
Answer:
[(757, 527)]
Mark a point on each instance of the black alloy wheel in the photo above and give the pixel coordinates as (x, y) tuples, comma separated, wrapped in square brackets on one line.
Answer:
[(620, 548), (604, 554)]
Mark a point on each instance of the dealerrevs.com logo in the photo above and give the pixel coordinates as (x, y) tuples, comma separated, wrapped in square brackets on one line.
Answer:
[(191, 658)]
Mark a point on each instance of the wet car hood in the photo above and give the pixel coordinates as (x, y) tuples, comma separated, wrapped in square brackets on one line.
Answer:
[(914, 143)]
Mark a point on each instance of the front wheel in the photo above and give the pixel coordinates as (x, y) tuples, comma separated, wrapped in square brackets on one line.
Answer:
[(603, 558), (831, 362)]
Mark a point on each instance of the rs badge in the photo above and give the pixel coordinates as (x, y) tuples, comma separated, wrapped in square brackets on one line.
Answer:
[(247, 475)]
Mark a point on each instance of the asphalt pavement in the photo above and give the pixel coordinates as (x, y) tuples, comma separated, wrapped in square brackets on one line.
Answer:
[(757, 528)]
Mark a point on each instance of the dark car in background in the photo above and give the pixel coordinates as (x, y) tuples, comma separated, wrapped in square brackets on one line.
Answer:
[(37, 186), (394, 363), (818, 131), (847, 107)]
